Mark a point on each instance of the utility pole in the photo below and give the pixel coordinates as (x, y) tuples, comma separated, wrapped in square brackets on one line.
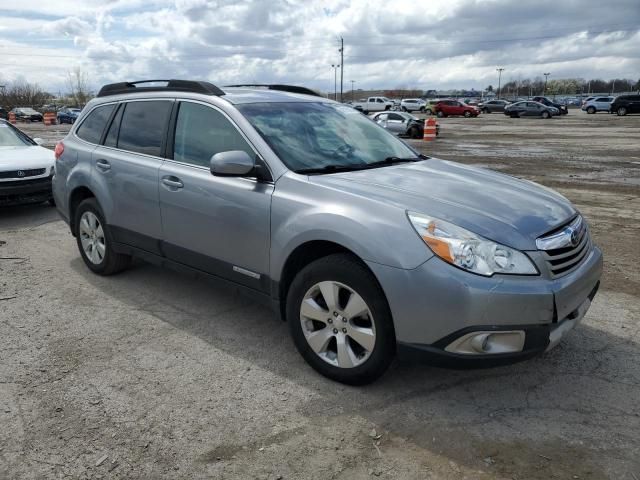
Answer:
[(352, 82), (546, 77), (341, 66), (613, 87), (335, 81), (499, 70)]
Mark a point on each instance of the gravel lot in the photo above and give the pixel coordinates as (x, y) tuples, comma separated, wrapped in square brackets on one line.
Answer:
[(169, 377)]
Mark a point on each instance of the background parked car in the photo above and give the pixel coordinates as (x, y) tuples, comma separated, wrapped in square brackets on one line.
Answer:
[(445, 108), (68, 115), (597, 104), (412, 105), (491, 106), (549, 103), (373, 104), (27, 114), (625, 104), (26, 168), (530, 109), (402, 124)]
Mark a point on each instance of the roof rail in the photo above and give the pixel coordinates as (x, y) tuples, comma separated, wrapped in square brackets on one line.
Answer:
[(282, 88), (171, 85)]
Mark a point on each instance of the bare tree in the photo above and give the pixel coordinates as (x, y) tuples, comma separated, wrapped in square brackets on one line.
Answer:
[(78, 84), (23, 94)]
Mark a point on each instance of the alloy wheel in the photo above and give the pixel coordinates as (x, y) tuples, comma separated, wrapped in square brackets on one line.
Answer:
[(92, 237), (337, 324)]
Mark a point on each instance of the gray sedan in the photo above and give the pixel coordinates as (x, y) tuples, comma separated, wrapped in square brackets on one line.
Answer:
[(530, 109), (492, 106), (400, 123)]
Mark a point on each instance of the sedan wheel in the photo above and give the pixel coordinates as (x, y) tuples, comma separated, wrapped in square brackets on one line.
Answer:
[(545, 114), (591, 110), (467, 114)]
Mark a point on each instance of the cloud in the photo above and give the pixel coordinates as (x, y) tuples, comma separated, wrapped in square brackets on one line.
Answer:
[(435, 44)]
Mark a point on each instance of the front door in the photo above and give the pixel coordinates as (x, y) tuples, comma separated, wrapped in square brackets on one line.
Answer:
[(219, 225)]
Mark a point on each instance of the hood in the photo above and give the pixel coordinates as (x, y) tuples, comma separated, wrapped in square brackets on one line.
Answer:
[(25, 157), (504, 209)]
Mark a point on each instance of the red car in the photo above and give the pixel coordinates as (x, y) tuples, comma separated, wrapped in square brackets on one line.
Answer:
[(445, 108)]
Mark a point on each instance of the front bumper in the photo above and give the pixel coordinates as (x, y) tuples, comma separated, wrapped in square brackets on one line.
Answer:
[(436, 303), (25, 191)]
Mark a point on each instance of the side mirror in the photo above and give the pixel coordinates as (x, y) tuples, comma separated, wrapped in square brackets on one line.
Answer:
[(234, 163), (38, 140)]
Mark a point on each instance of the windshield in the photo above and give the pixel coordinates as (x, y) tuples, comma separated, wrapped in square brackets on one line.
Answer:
[(323, 135), (13, 138)]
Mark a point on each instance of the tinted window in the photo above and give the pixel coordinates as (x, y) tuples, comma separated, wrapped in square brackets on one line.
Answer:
[(202, 132), (143, 126), (395, 116), (93, 126), (111, 140)]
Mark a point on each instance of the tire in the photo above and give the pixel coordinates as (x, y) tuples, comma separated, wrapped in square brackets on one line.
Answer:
[(343, 274), (415, 132), (387, 108), (514, 115), (428, 111), (110, 261), (404, 109), (421, 109), (591, 110), (546, 114), (440, 114), (622, 111), (485, 111), (366, 112), (467, 114)]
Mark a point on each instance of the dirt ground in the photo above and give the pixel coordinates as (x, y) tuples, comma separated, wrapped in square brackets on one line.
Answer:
[(153, 374)]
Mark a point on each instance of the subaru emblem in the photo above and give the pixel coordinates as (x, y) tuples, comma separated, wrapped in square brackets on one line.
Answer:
[(574, 237), (20, 173)]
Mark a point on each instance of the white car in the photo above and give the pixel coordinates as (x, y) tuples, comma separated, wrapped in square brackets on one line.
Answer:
[(26, 168), (412, 105)]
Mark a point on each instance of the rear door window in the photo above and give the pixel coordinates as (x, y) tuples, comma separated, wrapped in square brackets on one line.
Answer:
[(93, 126), (143, 126), (111, 140)]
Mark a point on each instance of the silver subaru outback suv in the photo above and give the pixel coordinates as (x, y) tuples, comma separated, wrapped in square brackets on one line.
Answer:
[(364, 246)]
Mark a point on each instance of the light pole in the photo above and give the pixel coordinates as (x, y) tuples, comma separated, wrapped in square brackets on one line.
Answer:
[(546, 77), (335, 81), (499, 70), (352, 82), (613, 87)]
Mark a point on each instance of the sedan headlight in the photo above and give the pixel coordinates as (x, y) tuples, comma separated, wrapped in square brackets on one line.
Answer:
[(469, 251)]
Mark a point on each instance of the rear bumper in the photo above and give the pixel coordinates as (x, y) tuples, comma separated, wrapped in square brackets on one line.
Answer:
[(25, 191)]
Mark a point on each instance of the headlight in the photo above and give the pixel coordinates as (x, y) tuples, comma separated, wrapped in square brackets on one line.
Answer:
[(469, 251)]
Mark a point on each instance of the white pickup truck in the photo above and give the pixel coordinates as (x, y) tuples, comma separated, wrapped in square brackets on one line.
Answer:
[(373, 104)]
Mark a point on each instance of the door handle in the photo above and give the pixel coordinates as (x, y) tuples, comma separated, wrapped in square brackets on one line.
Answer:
[(103, 165), (172, 182)]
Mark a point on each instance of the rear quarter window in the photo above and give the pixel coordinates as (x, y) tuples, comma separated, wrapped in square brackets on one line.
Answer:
[(93, 126)]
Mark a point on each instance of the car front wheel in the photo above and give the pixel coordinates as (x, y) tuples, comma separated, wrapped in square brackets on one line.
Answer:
[(622, 111), (340, 321), (591, 110), (467, 114), (545, 114), (94, 240)]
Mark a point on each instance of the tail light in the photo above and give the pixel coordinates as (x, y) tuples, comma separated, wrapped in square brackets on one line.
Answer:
[(59, 150)]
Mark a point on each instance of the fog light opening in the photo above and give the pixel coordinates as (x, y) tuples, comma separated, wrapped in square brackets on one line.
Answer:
[(488, 343)]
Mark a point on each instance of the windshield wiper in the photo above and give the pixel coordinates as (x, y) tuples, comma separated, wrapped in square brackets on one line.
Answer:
[(330, 169), (393, 161)]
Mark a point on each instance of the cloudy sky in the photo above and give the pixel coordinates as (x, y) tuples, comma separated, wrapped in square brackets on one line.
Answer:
[(388, 43)]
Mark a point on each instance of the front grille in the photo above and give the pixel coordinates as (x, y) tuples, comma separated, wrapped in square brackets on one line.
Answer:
[(23, 173), (564, 259)]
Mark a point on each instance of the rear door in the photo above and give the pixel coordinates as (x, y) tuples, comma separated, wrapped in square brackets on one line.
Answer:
[(634, 103), (127, 166), (219, 225)]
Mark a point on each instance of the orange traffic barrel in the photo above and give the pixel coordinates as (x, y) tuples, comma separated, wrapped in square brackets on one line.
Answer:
[(49, 118), (429, 133), (12, 117)]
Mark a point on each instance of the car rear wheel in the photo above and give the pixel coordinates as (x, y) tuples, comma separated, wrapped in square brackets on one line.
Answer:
[(421, 109), (440, 114), (340, 321), (622, 111), (95, 242), (404, 109), (546, 114), (514, 115), (428, 111), (591, 110)]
